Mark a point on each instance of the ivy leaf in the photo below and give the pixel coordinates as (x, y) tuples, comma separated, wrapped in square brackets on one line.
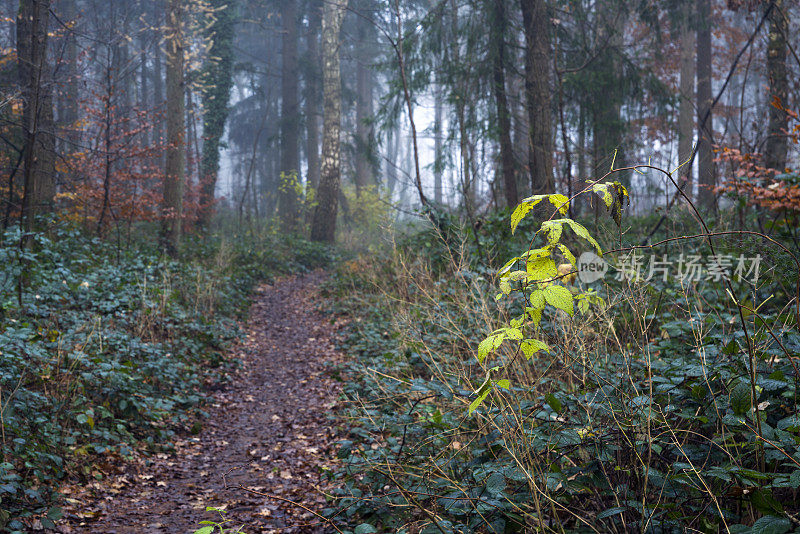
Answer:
[(771, 524), (559, 297), (553, 402), (741, 398)]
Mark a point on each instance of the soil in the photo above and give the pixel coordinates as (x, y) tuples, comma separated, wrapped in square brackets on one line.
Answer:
[(263, 451)]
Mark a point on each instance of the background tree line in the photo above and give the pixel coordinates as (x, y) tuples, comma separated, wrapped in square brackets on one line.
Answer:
[(165, 111)]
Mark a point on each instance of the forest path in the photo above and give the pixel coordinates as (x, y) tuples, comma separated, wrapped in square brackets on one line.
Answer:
[(267, 431)]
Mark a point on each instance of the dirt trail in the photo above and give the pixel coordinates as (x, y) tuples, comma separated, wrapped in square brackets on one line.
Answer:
[(268, 431)]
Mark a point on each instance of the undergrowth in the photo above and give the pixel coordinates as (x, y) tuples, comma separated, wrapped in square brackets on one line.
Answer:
[(107, 351), (671, 407)]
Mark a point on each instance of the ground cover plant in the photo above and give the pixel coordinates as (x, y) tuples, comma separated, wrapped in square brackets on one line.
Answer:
[(652, 403), (108, 351)]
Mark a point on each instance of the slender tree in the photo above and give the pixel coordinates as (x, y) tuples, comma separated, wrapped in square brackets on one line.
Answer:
[(536, 24), (498, 51), (290, 123), (313, 92), (37, 115), (217, 83), (175, 169), (323, 227), (705, 127), (777, 141), (686, 96)]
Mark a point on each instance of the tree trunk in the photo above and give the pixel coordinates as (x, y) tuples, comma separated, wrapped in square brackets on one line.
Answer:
[(498, 36), (777, 140), (705, 129), (313, 94), (290, 124), (218, 80), (37, 114), (686, 107), (175, 168), (438, 163), (323, 227), (536, 24), (364, 88)]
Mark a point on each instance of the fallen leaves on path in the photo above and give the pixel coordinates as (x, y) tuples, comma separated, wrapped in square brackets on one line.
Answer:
[(266, 444)]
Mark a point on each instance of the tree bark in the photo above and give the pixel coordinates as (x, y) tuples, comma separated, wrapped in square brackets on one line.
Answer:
[(685, 106), (323, 227), (777, 140), (290, 124), (37, 114), (218, 81), (498, 36), (364, 171), (438, 164), (705, 128), (536, 24), (175, 168), (313, 93)]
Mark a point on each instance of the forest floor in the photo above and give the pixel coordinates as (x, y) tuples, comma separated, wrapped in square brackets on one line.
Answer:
[(262, 452)]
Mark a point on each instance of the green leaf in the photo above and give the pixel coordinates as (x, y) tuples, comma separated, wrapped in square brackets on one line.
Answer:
[(537, 299), (541, 268), (765, 503), (364, 528), (567, 254), (771, 524), (553, 402), (490, 344), (522, 210), (504, 383), (581, 231), (583, 306), (605, 514), (204, 530), (495, 483), (529, 347), (553, 229), (559, 297), (482, 392), (741, 398), (561, 202), (604, 193)]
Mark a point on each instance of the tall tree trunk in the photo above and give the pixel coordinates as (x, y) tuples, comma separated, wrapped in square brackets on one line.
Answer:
[(313, 91), (498, 37), (290, 124), (37, 114), (70, 96), (158, 87), (686, 107), (218, 81), (705, 135), (363, 161), (438, 163), (175, 168), (323, 227), (608, 126), (536, 24), (777, 140)]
